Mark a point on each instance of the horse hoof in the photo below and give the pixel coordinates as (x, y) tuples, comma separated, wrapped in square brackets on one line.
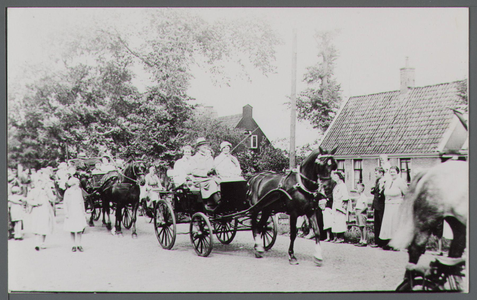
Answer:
[(318, 261), (134, 235), (258, 254), (293, 262), (91, 224)]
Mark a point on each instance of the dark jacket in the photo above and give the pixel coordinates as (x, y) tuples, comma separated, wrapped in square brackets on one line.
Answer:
[(378, 201)]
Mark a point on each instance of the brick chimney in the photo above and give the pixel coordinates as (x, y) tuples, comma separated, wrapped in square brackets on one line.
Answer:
[(247, 112), (407, 77)]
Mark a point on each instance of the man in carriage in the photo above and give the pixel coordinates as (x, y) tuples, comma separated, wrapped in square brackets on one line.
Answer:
[(202, 175)]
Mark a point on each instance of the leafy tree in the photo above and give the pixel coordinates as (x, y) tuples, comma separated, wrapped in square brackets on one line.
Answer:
[(91, 101), (319, 104)]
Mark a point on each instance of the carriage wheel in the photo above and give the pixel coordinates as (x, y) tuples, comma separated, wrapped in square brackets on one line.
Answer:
[(165, 224), (201, 234), (96, 210), (225, 230), (127, 217), (269, 236), (97, 213)]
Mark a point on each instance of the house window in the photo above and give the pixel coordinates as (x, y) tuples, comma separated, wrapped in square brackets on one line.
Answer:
[(254, 142), (405, 164), (340, 165), (358, 171)]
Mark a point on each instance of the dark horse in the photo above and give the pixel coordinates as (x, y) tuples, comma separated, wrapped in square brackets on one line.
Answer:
[(123, 190), (438, 194), (296, 193)]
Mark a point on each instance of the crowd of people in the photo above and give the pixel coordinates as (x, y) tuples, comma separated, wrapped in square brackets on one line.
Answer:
[(37, 192)]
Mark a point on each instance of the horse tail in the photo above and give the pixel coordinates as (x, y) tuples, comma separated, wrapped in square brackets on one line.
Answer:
[(407, 226)]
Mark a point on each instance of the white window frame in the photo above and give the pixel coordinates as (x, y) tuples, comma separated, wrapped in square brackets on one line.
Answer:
[(254, 141), (404, 175), (356, 180)]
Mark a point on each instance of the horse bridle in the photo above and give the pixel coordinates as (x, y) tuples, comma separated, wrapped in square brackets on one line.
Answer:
[(134, 172)]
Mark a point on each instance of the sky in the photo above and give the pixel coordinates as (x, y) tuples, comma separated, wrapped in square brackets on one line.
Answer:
[(372, 43)]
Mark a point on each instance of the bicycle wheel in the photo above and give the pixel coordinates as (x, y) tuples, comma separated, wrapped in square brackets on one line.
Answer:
[(417, 285)]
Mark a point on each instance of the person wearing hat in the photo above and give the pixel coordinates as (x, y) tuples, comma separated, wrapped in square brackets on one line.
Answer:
[(182, 166), (16, 201), (226, 165), (202, 170)]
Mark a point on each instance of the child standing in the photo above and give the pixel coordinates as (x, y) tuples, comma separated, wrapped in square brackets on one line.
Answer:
[(327, 219), (16, 202), (361, 210), (75, 215)]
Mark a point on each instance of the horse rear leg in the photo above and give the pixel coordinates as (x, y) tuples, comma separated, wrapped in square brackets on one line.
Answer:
[(458, 243), (293, 231), (318, 256), (134, 218)]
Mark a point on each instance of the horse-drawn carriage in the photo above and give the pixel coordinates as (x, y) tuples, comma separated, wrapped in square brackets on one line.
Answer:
[(232, 214), (249, 206)]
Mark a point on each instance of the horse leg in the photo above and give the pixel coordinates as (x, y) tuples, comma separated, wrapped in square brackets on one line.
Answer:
[(318, 256), (91, 203), (418, 245), (255, 231), (293, 231), (458, 243), (134, 218), (119, 217)]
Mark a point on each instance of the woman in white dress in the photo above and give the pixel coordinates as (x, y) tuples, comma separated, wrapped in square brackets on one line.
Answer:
[(41, 200), (226, 165), (75, 215), (340, 198), (394, 191)]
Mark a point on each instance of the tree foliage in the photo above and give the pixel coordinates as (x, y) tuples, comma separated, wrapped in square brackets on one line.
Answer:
[(96, 98), (320, 102)]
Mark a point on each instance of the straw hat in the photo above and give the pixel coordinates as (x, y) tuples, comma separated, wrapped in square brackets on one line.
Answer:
[(201, 141)]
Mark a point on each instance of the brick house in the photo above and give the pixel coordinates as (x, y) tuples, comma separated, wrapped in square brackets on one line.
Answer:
[(414, 126), (246, 122)]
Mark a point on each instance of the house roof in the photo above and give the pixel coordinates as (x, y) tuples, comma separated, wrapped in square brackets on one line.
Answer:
[(390, 123), (230, 121)]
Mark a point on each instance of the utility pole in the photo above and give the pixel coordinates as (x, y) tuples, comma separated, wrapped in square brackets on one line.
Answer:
[(293, 104)]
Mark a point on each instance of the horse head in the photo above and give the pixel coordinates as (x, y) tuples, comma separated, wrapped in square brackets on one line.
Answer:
[(134, 171), (317, 168), (325, 163)]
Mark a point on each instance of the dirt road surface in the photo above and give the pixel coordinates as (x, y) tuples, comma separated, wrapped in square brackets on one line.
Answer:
[(112, 263)]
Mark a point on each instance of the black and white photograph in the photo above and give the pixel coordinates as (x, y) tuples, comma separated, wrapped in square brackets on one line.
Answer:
[(237, 149)]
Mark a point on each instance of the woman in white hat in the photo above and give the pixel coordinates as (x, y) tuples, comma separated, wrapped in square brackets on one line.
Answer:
[(226, 165)]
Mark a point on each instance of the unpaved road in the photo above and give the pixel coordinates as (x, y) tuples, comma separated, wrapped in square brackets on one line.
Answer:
[(112, 263)]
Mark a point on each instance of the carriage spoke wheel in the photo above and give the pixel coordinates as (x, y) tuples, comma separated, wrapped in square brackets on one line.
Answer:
[(201, 234), (165, 224), (127, 217), (269, 236), (225, 230), (96, 209)]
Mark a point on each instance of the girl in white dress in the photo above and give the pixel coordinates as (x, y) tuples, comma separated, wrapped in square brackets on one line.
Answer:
[(75, 215)]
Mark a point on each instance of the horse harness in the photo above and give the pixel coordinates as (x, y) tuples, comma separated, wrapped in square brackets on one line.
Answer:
[(299, 186)]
